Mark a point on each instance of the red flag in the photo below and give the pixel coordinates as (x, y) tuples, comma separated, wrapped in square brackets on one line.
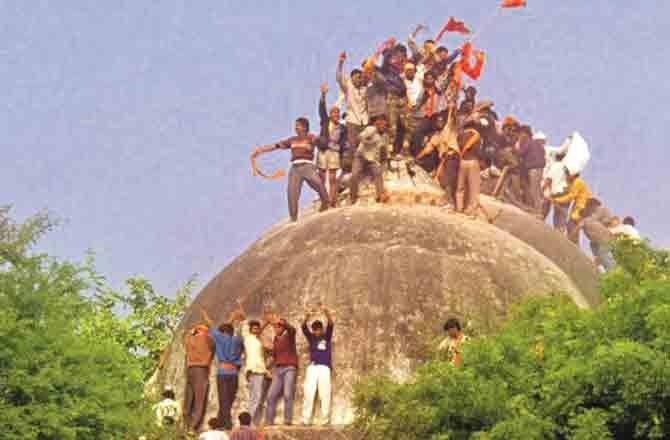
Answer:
[(513, 3), (453, 25), (475, 71)]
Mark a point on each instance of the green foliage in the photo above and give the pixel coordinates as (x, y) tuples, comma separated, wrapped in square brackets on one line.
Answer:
[(553, 371), (71, 369)]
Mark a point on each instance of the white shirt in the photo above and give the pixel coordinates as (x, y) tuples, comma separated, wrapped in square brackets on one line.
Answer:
[(167, 408), (415, 86), (254, 354), (213, 435), (627, 230)]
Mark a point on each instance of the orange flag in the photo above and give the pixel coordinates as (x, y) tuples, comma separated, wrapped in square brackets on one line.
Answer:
[(513, 3), (475, 71), (256, 172), (453, 25)]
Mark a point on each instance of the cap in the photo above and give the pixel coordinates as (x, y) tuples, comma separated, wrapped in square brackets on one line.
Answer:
[(539, 136), (409, 66), (509, 120)]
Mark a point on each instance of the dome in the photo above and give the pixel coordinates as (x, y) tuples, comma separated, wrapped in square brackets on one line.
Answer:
[(393, 274)]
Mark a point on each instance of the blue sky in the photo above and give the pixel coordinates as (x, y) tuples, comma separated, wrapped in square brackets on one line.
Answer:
[(132, 121)]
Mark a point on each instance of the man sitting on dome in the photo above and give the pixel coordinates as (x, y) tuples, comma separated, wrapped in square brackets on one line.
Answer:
[(372, 150), (302, 148)]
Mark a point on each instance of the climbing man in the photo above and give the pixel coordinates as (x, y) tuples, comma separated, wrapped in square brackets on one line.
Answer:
[(302, 147), (454, 341), (319, 370)]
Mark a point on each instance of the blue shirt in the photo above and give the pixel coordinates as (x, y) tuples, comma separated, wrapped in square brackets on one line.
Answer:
[(320, 352), (228, 349)]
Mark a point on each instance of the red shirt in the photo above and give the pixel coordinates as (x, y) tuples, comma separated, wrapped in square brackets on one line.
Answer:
[(302, 147), (284, 350), (199, 350)]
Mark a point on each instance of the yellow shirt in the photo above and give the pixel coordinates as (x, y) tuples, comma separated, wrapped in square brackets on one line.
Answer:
[(580, 193)]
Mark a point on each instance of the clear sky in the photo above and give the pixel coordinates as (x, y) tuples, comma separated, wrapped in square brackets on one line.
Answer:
[(133, 120)]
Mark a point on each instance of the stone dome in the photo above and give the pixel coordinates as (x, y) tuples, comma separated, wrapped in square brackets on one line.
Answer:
[(393, 273)]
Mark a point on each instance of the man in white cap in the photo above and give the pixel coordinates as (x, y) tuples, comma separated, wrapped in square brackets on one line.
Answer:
[(533, 160)]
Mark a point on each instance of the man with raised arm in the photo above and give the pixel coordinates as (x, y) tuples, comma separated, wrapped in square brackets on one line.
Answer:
[(334, 137), (257, 374), (356, 97), (284, 370), (319, 370), (199, 348), (302, 147), (229, 357)]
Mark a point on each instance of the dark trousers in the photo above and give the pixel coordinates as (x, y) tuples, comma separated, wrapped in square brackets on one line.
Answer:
[(361, 166), (423, 126), (306, 172), (195, 401), (227, 387), (449, 178)]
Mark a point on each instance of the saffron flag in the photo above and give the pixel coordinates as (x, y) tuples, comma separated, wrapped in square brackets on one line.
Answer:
[(257, 172), (475, 71), (453, 25), (513, 3)]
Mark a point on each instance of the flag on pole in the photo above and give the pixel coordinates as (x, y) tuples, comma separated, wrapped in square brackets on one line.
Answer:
[(453, 25), (513, 3)]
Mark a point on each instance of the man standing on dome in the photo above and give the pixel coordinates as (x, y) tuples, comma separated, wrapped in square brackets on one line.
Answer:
[(356, 97), (389, 77), (302, 147), (469, 177), (532, 155), (334, 140), (368, 158)]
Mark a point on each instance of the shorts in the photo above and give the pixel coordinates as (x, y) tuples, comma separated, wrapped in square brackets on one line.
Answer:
[(328, 160)]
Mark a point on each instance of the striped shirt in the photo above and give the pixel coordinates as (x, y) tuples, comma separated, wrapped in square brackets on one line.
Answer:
[(244, 433)]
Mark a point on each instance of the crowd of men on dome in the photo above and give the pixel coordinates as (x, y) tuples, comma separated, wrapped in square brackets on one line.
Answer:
[(413, 103), (405, 102)]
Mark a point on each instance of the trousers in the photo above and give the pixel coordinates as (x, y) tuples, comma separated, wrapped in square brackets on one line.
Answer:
[(361, 165), (468, 179), (317, 379), (195, 400), (227, 388), (304, 172), (257, 385), (283, 384)]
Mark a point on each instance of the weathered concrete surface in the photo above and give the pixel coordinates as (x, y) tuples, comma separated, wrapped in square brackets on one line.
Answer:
[(393, 274)]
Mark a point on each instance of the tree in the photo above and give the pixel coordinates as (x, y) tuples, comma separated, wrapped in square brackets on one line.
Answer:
[(553, 371), (68, 371)]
